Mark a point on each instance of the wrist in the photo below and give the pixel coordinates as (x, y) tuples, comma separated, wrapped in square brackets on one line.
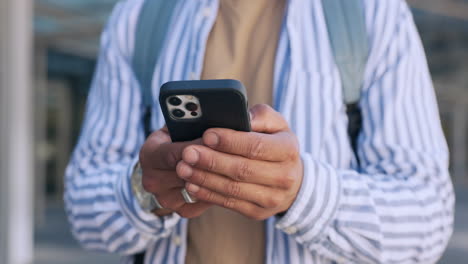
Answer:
[(145, 199), (144, 221)]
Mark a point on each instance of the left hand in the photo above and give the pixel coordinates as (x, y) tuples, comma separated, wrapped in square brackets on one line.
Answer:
[(257, 174)]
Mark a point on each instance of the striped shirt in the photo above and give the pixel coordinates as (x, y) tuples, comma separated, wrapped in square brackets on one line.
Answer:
[(396, 207)]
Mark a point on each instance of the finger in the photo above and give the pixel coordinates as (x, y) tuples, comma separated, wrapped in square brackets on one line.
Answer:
[(244, 207), (158, 153), (153, 142), (266, 120), (171, 199), (162, 212), (159, 137), (156, 181), (193, 210), (281, 146), (260, 195), (238, 168)]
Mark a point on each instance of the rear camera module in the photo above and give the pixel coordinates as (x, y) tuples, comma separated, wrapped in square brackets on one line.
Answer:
[(183, 107), (175, 101), (178, 113), (192, 107)]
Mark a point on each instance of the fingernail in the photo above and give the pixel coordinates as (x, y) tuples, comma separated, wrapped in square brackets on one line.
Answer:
[(184, 171), (211, 139), (191, 156), (192, 188)]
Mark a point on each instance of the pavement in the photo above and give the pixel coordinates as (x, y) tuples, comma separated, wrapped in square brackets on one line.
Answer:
[(54, 244)]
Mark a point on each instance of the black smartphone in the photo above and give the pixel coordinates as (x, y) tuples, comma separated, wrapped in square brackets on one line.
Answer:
[(192, 107)]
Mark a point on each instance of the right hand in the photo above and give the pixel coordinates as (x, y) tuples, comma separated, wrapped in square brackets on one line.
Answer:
[(158, 160)]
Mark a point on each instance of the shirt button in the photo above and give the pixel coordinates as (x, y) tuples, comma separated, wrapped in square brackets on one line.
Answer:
[(193, 76), (206, 12), (177, 240), (290, 230)]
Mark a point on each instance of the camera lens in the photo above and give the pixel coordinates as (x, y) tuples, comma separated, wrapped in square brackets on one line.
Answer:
[(175, 101), (178, 113), (191, 107)]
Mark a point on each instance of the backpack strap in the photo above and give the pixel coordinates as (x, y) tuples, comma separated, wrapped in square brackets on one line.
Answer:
[(151, 30), (348, 38)]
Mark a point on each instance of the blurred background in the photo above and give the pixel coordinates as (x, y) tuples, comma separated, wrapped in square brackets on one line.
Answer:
[(58, 50)]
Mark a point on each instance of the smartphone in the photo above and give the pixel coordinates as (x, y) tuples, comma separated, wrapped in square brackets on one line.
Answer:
[(192, 107)]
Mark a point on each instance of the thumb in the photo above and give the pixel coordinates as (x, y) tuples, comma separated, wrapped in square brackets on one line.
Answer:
[(265, 119)]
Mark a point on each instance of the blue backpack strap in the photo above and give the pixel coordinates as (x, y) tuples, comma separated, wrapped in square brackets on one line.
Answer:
[(348, 38), (151, 30)]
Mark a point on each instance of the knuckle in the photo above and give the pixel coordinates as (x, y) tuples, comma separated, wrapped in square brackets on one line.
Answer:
[(287, 180), (148, 184), (263, 108), (293, 150), (200, 177), (257, 148), (210, 196), (259, 110), (292, 155), (229, 203), (159, 137), (233, 189), (244, 172), (273, 201), (156, 134), (172, 159), (211, 163), (151, 144)]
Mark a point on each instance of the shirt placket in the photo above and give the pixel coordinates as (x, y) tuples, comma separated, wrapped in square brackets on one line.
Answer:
[(204, 21)]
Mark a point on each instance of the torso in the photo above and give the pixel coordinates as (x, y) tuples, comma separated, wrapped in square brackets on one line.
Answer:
[(242, 45)]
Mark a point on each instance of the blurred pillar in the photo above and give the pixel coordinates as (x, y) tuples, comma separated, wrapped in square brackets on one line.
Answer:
[(40, 129), (16, 135), (459, 144), (63, 107)]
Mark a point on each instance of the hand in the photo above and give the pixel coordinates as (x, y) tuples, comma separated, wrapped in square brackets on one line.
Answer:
[(158, 160), (257, 174)]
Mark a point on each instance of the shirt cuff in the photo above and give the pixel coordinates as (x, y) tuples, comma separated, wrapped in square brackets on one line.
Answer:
[(316, 204), (146, 222)]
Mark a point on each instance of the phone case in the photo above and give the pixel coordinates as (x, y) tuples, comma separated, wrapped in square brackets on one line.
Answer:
[(223, 105)]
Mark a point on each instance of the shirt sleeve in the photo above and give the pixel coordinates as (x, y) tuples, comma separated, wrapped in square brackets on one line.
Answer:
[(399, 206), (103, 213)]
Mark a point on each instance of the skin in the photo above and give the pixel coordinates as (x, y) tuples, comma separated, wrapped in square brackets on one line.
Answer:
[(257, 174)]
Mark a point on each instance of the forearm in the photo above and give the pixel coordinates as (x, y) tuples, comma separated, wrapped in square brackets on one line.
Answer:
[(104, 214)]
